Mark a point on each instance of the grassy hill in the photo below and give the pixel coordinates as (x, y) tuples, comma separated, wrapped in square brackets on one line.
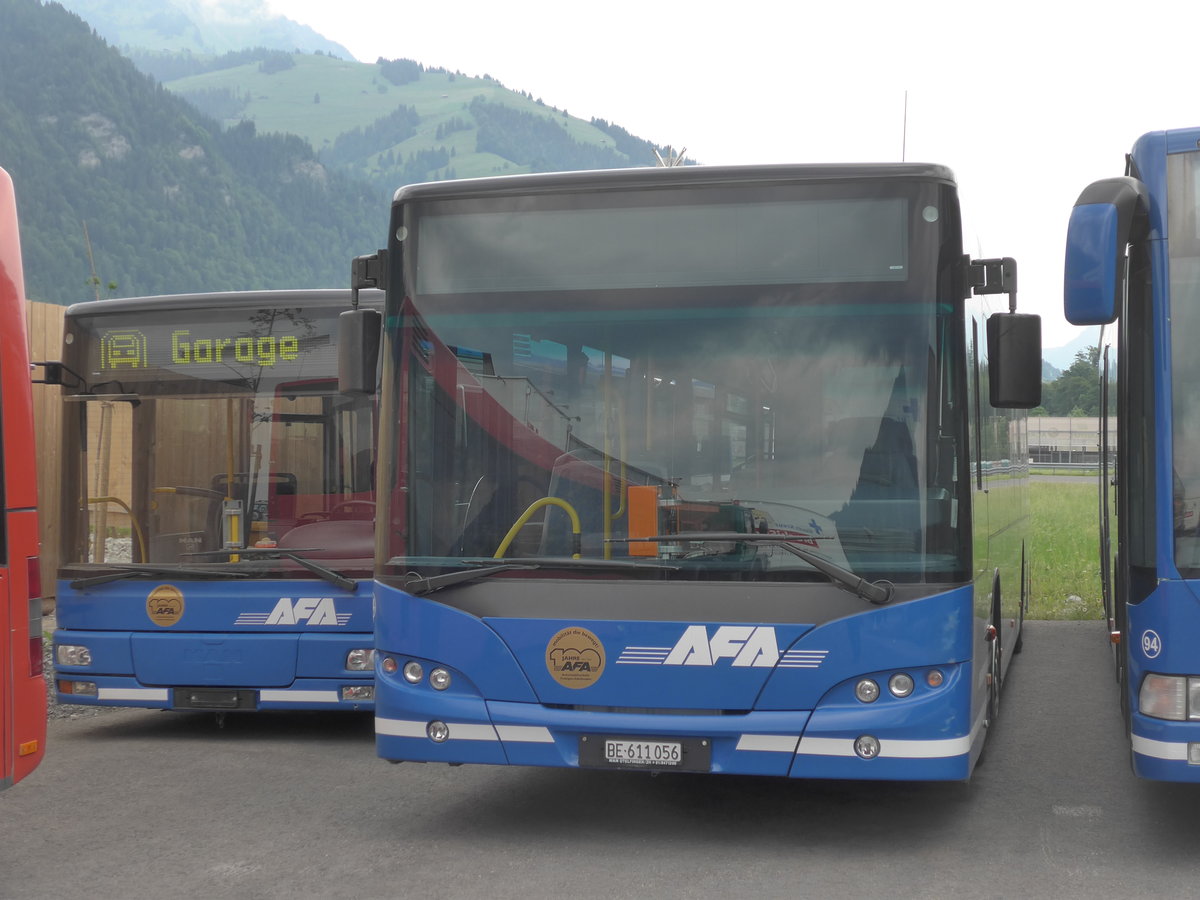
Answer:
[(322, 98), (170, 201)]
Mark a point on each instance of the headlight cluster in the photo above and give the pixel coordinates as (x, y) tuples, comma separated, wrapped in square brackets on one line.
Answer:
[(73, 655), (79, 688), (900, 685), (414, 673), (1174, 697), (360, 659)]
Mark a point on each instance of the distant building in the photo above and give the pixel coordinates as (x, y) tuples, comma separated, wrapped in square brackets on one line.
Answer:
[(1068, 440)]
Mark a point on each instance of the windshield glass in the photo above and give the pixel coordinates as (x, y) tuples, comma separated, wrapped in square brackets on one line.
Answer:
[(202, 431), (816, 403), (1183, 177)]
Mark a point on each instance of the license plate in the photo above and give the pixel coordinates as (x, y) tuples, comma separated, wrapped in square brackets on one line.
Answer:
[(643, 753), (613, 751)]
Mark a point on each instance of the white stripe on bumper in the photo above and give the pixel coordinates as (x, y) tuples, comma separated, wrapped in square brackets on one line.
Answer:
[(526, 734), (888, 748), (1168, 750), (131, 694), (459, 731), (770, 743), (299, 696)]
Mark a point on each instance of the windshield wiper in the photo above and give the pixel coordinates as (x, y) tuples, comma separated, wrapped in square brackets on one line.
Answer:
[(878, 592), (417, 584), (130, 570), (333, 577)]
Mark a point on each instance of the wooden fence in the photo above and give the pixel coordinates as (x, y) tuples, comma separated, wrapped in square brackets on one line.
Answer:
[(44, 326)]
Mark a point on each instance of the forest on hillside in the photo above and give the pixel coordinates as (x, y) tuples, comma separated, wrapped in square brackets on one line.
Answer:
[(170, 201), (125, 188)]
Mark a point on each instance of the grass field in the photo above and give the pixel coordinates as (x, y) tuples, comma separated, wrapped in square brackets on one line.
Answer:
[(1066, 551)]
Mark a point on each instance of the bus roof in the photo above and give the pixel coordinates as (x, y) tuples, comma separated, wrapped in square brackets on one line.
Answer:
[(219, 299), (663, 176)]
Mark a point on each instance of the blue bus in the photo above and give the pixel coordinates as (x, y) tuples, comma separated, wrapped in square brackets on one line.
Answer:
[(217, 523), (1133, 258), (696, 469)]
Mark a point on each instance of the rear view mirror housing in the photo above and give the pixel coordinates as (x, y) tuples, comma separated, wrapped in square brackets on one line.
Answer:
[(1014, 342), (1109, 215)]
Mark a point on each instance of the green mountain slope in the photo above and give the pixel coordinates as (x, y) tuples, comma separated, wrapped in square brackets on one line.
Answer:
[(286, 78), (462, 126), (174, 199), (170, 200)]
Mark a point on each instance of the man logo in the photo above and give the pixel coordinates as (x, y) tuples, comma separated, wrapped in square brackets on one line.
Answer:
[(575, 658)]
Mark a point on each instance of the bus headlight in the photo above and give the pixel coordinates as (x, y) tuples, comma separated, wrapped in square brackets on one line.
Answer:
[(1173, 697), (439, 679), (358, 692), (413, 672), (867, 747), (900, 684), (867, 691), (360, 659), (73, 655)]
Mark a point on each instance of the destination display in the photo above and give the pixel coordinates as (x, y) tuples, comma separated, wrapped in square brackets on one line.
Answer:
[(220, 345)]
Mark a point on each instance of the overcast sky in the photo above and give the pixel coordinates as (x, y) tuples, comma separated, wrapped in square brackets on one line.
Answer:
[(1027, 102)]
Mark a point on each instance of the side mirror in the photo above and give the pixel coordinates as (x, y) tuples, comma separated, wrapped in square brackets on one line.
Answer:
[(1014, 343), (358, 350), (1108, 215)]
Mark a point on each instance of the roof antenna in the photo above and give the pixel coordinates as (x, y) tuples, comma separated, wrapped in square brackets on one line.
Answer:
[(904, 131), (672, 159)]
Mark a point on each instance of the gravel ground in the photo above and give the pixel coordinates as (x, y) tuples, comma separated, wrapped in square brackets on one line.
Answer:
[(54, 709)]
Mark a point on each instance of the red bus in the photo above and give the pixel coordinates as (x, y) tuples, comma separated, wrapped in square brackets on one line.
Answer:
[(22, 688)]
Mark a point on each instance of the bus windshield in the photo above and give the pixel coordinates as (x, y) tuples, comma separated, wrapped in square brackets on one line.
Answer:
[(582, 373), (1183, 184), (207, 430)]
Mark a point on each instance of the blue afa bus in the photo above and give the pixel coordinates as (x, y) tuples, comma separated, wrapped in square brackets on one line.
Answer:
[(218, 506), (696, 469), (1133, 259)]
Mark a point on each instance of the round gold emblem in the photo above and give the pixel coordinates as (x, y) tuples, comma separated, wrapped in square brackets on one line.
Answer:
[(575, 657), (164, 605)]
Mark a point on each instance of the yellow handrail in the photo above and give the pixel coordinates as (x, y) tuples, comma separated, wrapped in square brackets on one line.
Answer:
[(576, 528), (137, 529)]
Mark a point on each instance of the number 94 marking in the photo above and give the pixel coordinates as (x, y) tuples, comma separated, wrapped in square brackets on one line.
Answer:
[(1151, 643)]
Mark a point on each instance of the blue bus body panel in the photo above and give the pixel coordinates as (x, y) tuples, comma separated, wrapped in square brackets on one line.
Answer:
[(287, 640), (763, 699), (1160, 747), (637, 663)]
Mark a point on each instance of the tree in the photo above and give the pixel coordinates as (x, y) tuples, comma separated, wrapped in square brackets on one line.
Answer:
[(1077, 390)]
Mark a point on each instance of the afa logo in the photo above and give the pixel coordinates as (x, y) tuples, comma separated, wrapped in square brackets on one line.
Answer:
[(750, 646), (575, 658), (164, 605), (746, 645), (301, 611)]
